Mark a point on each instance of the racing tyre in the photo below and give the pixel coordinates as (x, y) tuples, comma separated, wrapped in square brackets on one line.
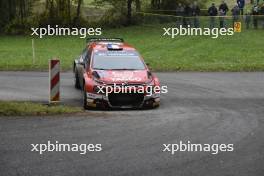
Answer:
[(76, 80), (85, 100)]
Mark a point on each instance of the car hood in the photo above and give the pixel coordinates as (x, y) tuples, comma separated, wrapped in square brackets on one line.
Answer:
[(123, 76)]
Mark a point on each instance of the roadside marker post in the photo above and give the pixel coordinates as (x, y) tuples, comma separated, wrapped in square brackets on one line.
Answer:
[(54, 81), (33, 53)]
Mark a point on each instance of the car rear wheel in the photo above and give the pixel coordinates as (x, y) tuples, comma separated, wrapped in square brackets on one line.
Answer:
[(76, 80)]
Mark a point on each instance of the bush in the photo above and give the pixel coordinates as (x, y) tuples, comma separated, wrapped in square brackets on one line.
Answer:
[(113, 18), (18, 27)]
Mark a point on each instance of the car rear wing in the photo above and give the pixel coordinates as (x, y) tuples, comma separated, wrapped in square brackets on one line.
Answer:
[(90, 40)]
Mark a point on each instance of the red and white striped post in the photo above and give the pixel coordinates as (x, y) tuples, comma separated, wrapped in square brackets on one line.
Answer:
[(54, 80)]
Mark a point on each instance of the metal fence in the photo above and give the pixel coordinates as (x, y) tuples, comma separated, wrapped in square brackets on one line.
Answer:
[(247, 21)]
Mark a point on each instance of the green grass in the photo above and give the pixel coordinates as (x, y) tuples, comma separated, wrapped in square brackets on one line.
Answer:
[(241, 52), (30, 109)]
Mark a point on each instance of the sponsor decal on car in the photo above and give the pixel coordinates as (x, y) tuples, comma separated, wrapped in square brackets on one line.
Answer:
[(124, 76)]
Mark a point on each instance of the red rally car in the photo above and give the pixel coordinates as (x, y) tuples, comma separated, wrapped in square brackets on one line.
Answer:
[(112, 74)]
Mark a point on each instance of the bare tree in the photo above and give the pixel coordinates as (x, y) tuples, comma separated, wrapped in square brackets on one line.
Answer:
[(78, 12)]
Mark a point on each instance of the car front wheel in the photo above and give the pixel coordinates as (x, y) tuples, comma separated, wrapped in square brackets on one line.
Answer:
[(85, 99), (76, 80)]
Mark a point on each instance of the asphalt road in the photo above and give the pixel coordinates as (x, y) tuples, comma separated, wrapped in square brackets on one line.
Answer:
[(202, 108)]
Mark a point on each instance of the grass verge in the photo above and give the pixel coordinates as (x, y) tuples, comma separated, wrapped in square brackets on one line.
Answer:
[(240, 52), (34, 109)]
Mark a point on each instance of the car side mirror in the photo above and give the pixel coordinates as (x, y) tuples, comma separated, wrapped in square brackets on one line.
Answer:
[(148, 64), (81, 61)]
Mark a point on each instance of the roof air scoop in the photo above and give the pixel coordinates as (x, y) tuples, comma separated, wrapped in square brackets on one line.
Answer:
[(114, 47)]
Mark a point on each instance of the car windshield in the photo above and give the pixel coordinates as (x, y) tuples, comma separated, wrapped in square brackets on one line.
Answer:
[(117, 60)]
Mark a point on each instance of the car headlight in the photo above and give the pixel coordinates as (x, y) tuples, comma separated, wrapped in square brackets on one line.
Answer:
[(96, 78), (98, 81), (150, 79)]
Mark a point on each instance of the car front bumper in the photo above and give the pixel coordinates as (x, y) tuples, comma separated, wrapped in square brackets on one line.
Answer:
[(99, 100)]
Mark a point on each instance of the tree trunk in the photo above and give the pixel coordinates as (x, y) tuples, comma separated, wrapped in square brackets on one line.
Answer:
[(47, 4), (61, 9), (51, 9), (9, 10), (21, 10), (138, 5), (69, 10), (129, 12), (78, 9)]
